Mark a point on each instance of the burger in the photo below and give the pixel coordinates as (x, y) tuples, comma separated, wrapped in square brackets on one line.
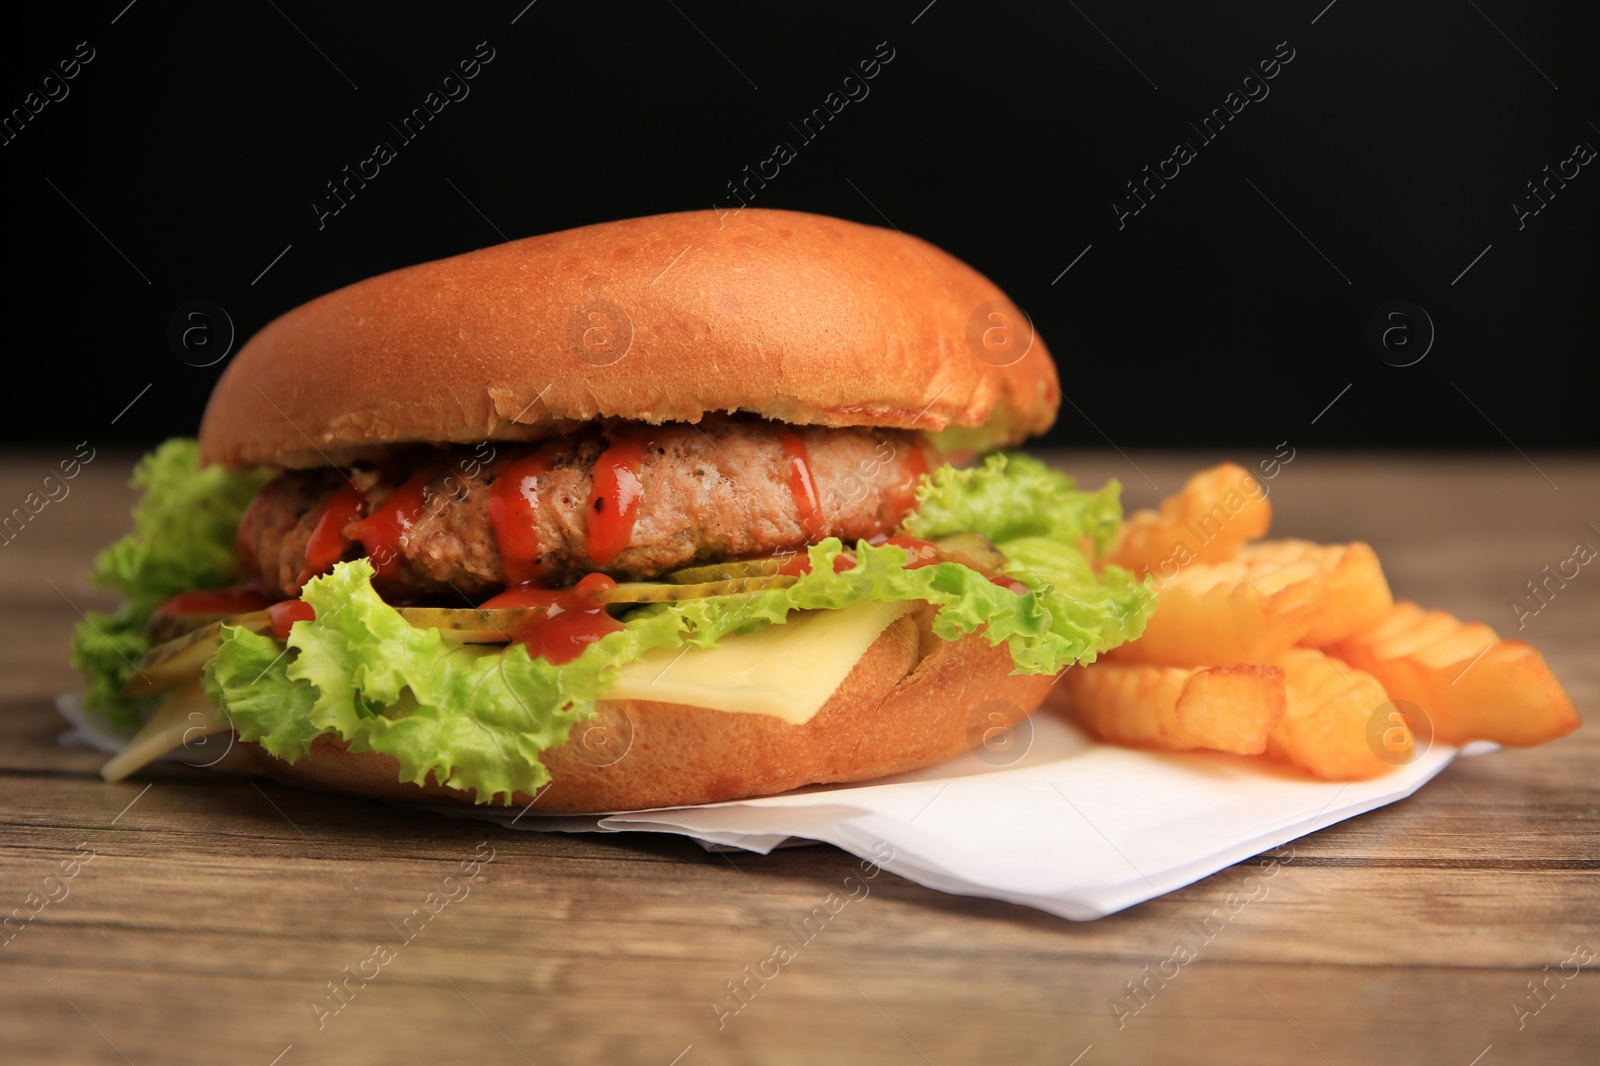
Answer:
[(655, 512)]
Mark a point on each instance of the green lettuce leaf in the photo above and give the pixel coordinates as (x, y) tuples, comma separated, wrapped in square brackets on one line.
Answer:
[(106, 648), (1011, 495), (183, 531), (477, 718), (1040, 520)]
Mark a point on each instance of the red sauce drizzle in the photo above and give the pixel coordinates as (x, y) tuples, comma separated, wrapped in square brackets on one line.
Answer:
[(903, 493), (383, 532), (328, 542), (242, 600), (514, 514), (571, 620), (802, 483), (286, 614), (918, 552), (614, 499)]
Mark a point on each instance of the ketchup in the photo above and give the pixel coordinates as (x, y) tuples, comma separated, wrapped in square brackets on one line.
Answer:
[(241, 600), (802, 483), (918, 552), (286, 614), (514, 514), (571, 620), (327, 543), (383, 531), (613, 500)]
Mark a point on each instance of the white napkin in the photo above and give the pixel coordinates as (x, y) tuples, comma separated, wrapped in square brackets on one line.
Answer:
[(1073, 827)]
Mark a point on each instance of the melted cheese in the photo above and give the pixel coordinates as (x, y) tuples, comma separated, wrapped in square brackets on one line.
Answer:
[(788, 671), (183, 718)]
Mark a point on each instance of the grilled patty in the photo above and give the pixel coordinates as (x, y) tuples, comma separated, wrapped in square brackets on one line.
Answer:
[(720, 490)]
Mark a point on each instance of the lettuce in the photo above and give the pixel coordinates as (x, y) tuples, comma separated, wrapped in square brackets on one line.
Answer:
[(1013, 495), (475, 716), (183, 532), (479, 717)]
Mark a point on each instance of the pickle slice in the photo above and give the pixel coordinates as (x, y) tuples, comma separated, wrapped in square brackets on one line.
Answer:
[(728, 571), (974, 550), (471, 625), (180, 659), (668, 592), (970, 549), (164, 627)]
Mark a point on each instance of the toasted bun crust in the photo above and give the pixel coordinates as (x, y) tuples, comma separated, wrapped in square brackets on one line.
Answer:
[(795, 317), (913, 700)]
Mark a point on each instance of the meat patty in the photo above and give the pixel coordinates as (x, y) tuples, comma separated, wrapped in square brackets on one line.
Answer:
[(724, 489)]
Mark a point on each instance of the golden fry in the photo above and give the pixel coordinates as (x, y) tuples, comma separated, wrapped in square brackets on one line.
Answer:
[(1336, 675), (1470, 683), (1328, 728), (1217, 511), (1224, 708), (1212, 614), (1358, 597)]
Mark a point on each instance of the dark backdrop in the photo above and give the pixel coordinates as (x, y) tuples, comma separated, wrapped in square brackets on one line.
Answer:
[(1383, 161)]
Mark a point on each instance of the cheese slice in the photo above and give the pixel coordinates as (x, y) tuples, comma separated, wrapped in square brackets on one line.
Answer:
[(183, 718), (788, 671)]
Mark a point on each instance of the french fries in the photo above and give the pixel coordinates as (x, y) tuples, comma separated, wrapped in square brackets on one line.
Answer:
[(1357, 594), (1223, 708), (1239, 611), (1325, 728), (1217, 511), (1298, 650), (1472, 684)]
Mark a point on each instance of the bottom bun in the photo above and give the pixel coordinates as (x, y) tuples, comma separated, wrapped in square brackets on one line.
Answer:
[(913, 700)]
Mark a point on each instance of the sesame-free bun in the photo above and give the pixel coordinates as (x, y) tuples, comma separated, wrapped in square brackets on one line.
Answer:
[(914, 699), (794, 317)]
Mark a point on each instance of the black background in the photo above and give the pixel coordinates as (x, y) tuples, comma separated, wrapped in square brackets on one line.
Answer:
[(1230, 312)]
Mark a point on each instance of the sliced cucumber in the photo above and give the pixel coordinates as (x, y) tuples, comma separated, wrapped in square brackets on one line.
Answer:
[(974, 550), (729, 571), (668, 592), (471, 625), (180, 659), (165, 627), (969, 549)]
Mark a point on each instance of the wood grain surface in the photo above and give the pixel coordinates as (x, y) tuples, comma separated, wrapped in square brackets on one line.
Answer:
[(216, 910)]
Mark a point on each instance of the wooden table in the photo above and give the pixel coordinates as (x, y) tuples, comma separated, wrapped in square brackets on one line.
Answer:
[(216, 910)]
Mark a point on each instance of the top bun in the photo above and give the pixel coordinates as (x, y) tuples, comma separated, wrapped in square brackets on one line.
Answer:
[(793, 317)]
